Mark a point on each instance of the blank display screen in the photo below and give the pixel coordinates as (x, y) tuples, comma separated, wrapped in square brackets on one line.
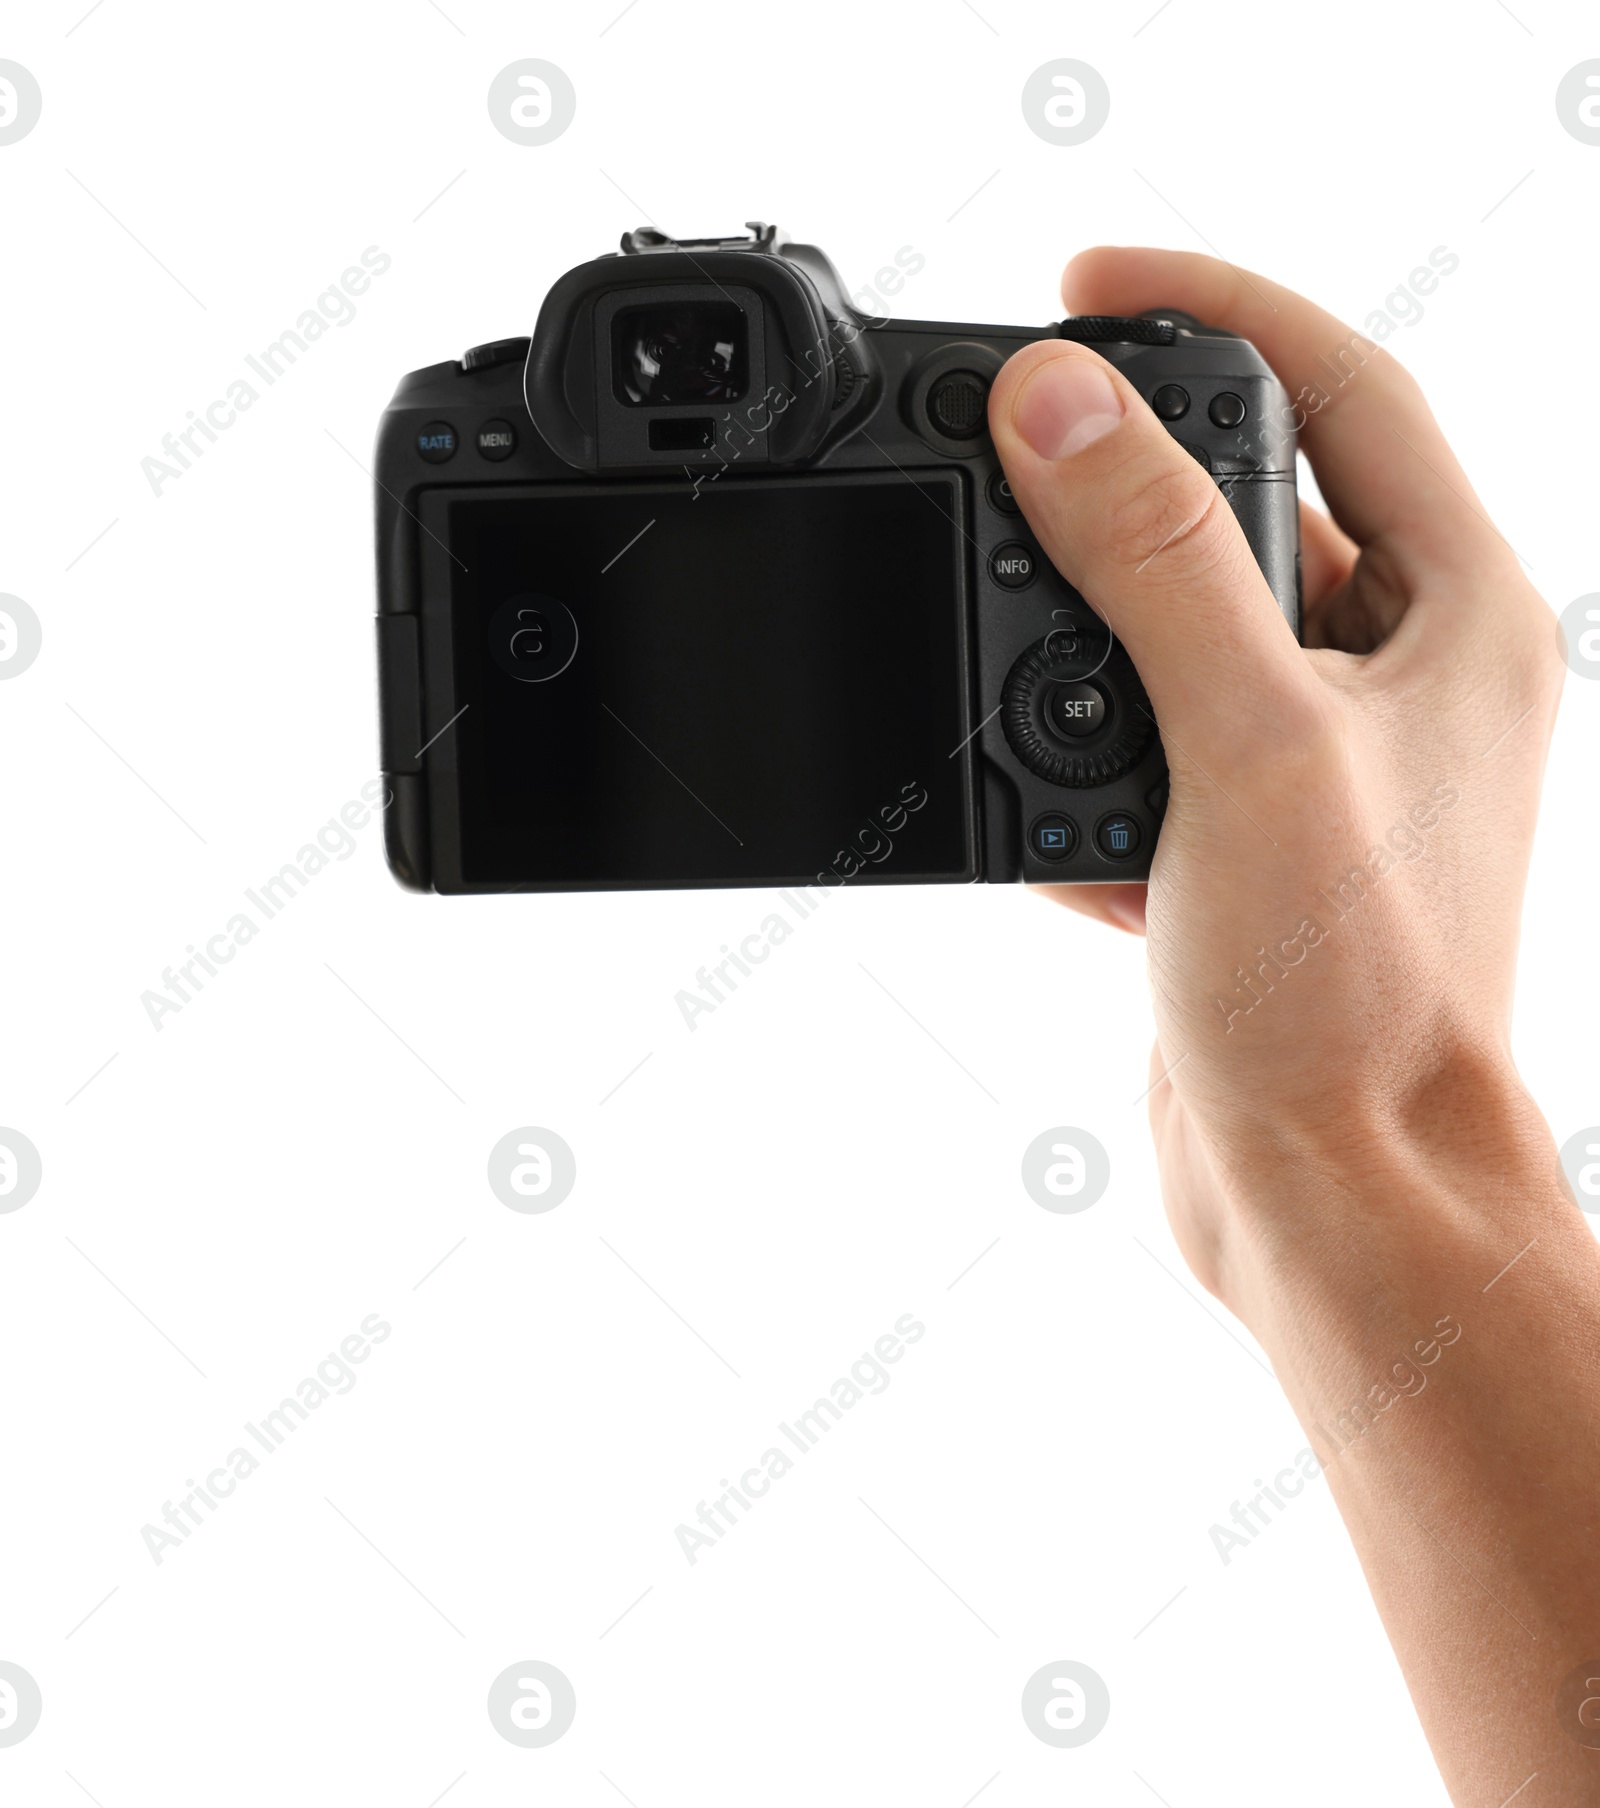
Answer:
[(735, 686)]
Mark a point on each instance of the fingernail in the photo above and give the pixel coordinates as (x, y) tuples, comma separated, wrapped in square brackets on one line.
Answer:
[(1068, 403)]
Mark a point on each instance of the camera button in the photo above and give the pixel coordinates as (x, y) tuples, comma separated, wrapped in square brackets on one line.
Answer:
[(1052, 837), (1170, 402), (1000, 496), (1076, 710), (437, 442), (1117, 837), (1013, 566), (1227, 410), (958, 404), (496, 440)]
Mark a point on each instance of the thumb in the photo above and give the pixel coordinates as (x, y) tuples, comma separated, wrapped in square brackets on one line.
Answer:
[(1134, 523)]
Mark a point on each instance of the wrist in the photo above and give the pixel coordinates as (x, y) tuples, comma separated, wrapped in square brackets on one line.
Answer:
[(1401, 1196)]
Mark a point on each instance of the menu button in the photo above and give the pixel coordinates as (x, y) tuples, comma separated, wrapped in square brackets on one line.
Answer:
[(497, 440)]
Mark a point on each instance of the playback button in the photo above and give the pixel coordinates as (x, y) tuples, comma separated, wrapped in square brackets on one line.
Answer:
[(1052, 837)]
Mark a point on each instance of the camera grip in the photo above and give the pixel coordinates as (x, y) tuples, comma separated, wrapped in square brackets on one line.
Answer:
[(1268, 511)]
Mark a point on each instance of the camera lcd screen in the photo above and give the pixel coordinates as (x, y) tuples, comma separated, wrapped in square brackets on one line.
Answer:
[(756, 681)]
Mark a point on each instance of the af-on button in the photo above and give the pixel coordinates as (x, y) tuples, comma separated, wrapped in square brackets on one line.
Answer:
[(1013, 566)]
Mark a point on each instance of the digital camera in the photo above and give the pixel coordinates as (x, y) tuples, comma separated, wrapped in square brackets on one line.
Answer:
[(717, 580)]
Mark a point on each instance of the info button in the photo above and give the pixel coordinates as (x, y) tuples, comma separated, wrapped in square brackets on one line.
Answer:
[(1013, 566)]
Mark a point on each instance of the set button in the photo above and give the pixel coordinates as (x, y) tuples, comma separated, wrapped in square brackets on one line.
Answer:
[(1076, 709)]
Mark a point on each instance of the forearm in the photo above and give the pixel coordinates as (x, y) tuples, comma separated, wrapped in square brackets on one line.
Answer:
[(1434, 1315), (1347, 1159)]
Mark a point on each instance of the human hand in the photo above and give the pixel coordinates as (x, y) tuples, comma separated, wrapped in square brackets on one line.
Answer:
[(1333, 907)]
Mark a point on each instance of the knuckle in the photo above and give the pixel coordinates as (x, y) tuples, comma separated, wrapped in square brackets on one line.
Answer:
[(1539, 670), (1401, 383), (1518, 640), (1385, 377), (1164, 509)]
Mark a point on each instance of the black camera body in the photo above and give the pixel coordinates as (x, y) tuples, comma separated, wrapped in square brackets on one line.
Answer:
[(718, 581)]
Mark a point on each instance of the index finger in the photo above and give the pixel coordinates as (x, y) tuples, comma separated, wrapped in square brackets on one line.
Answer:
[(1381, 461)]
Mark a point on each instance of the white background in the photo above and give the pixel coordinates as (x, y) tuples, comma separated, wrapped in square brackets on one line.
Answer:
[(276, 1163)]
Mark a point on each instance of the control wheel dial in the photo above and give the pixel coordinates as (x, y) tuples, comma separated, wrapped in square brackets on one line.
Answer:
[(1074, 710)]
